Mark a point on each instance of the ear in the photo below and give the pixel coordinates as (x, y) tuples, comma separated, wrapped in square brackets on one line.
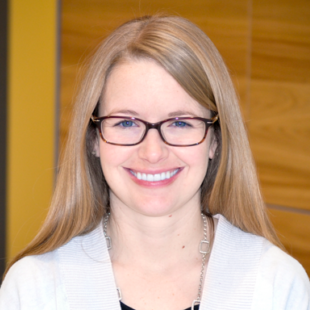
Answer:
[(96, 147), (213, 147)]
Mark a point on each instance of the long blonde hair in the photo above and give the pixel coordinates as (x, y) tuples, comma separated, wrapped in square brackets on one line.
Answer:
[(231, 188)]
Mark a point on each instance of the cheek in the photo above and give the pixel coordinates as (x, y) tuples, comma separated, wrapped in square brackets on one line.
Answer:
[(112, 159), (196, 158), (200, 163), (195, 155)]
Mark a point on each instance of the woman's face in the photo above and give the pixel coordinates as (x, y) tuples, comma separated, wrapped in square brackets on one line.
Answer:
[(143, 89)]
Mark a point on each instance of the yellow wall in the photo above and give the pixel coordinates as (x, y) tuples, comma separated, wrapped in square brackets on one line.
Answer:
[(31, 117)]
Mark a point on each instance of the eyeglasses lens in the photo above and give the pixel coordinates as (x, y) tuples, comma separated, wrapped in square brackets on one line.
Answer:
[(122, 131), (130, 131), (184, 131)]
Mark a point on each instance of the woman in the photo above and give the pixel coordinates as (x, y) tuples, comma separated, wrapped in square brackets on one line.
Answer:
[(157, 203)]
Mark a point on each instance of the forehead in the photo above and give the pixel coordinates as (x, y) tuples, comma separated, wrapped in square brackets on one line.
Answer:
[(146, 87)]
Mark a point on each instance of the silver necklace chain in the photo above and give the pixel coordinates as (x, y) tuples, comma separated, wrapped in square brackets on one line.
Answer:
[(204, 249)]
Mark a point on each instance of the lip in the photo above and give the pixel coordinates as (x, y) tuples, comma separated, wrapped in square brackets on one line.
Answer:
[(167, 181)]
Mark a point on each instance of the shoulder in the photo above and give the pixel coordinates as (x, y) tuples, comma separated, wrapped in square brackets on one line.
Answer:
[(33, 283), (282, 280), (272, 261), (259, 269), (282, 264), (36, 266), (67, 275), (228, 235)]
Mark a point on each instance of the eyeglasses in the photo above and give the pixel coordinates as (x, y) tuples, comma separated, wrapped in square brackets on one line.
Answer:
[(129, 131)]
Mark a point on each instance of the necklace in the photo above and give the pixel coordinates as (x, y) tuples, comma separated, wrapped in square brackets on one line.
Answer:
[(203, 250)]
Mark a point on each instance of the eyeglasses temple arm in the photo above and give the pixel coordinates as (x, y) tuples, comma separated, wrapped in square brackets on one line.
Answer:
[(94, 119), (214, 119)]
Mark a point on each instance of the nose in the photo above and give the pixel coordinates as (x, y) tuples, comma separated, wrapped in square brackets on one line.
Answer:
[(153, 149)]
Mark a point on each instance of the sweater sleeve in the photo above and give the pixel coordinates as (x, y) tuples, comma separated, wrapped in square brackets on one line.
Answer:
[(282, 283), (32, 283)]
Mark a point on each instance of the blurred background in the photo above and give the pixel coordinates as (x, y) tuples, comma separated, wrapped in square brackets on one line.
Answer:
[(43, 48)]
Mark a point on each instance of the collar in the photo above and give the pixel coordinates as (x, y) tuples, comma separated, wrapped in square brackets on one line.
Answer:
[(87, 274)]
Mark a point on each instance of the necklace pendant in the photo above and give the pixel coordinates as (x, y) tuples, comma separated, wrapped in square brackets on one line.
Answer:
[(109, 243), (195, 303), (119, 294), (204, 247)]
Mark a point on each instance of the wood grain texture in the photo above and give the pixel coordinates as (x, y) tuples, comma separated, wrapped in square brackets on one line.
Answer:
[(280, 100), (281, 40), (280, 134), (294, 231)]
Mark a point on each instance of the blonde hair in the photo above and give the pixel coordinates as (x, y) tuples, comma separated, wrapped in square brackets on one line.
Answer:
[(230, 187)]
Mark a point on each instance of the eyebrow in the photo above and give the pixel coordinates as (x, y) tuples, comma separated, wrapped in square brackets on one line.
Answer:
[(134, 113), (126, 111), (181, 113)]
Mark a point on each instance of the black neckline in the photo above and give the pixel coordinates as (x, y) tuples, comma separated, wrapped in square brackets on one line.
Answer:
[(125, 307)]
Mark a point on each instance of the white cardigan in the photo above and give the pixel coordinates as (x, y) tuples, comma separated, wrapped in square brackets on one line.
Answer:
[(244, 272)]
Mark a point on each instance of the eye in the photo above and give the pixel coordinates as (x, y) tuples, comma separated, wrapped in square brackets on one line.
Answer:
[(180, 124), (126, 123)]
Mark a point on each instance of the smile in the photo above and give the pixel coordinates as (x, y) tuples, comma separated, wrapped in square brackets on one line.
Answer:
[(154, 177)]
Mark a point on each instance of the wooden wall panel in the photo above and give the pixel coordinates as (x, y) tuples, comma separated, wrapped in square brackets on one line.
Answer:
[(294, 231), (279, 123), (280, 140), (280, 100), (281, 40)]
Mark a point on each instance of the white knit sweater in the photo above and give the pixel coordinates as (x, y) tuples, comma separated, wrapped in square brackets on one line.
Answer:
[(244, 272)]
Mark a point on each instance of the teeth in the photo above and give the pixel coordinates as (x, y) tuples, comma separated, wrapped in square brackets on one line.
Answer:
[(157, 177), (173, 173), (154, 177), (150, 177)]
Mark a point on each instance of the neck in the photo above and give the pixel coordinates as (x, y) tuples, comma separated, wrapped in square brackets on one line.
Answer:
[(155, 242)]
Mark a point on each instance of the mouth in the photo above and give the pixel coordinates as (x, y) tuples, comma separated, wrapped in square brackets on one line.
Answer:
[(157, 177)]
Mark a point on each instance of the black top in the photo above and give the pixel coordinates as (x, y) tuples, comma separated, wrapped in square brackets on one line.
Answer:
[(124, 307)]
